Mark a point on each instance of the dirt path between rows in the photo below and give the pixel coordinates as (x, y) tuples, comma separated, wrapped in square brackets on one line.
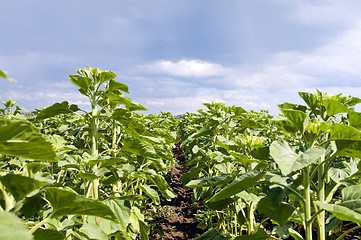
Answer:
[(176, 219)]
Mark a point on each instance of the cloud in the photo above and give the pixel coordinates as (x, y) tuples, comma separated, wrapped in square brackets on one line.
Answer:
[(185, 68), (335, 64)]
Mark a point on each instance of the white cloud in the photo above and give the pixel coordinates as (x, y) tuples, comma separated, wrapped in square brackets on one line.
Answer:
[(185, 68), (334, 64)]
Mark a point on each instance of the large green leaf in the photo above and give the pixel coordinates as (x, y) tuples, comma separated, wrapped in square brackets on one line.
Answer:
[(333, 107), (114, 85), (296, 117), (11, 227), (21, 139), (80, 81), (281, 214), (354, 119), (151, 193), (259, 235), (344, 132), (47, 234), (292, 106), (161, 184), (210, 181), (348, 148), (93, 231), (66, 202), (310, 99), (345, 211), (106, 75), (220, 205), (211, 234), (243, 182), (352, 192), (121, 209), (289, 161), (20, 186), (57, 109)]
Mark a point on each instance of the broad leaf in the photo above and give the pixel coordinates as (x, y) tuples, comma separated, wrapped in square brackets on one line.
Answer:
[(310, 99), (66, 202), (243, 182), (259, 235), (121, 209), (352, 192), (57, 109), (333, 107), (289, 161), (151, 193), (161, 184), (210, 181), (344, 132), (114, 85), (354, 119), (296, 117), (220, 205), (348, 148), (345, 211), (20, 186), (47, 234), (82, 82), (281, 214), (104, 76), (11, 227), (21, 139), (211, 234), (93, 231)]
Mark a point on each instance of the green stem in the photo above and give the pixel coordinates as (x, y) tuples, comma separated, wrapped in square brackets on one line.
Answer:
[(250, 214), (307, 195), (321, 197), (39, 224), (334, 189), (94, 150)]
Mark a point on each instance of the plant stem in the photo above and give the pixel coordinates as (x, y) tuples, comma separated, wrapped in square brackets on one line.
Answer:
[(307, 195), (250, 218), (39, 224), (94, 150), (321, 198)]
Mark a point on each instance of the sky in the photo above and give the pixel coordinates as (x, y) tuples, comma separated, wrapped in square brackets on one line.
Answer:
[(177, 54)]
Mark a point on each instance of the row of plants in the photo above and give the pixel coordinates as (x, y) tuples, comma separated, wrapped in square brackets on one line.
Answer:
[(262, 177), (67, 173)]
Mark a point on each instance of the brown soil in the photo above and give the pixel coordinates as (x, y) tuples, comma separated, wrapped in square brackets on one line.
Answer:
[(176, 219)]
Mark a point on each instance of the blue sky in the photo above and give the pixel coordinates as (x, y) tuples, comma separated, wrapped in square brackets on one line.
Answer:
[(176, 54)]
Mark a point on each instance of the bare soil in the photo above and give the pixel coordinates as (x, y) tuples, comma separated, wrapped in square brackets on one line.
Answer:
[(175, 219)]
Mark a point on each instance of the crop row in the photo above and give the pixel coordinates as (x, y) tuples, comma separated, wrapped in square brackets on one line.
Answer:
[(66, 173)]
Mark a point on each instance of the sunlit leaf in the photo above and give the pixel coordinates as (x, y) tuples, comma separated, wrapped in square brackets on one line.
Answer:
[(11, 227), (20, 186), (57, 109), (93, 231), (243, 182), (21, 139), (66, 202)]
